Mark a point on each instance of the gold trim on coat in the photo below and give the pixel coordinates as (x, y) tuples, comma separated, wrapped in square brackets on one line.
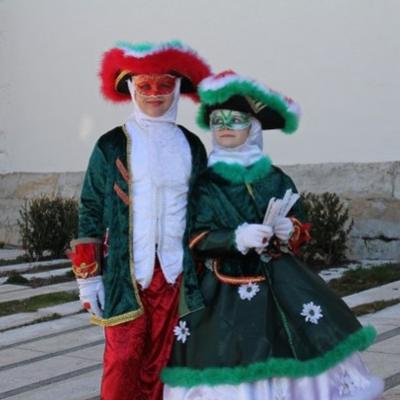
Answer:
[(122, 170), (121, 194), (198, 238), (118, 319)]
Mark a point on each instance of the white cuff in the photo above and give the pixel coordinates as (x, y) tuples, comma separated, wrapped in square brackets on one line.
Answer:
[(238, 239)]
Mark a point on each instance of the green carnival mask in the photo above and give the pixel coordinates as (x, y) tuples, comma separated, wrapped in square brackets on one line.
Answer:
[(229, 119)]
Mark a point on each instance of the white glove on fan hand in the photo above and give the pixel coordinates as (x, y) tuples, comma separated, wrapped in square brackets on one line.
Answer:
[(91, 293), (283, 228), (248, 236)]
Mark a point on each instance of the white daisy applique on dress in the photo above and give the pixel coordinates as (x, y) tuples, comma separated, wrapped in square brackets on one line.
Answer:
[(181, 331), (248, 291), (311, 312), (346, 385)]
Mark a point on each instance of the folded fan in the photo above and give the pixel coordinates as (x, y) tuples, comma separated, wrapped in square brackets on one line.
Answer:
[(279, 208)]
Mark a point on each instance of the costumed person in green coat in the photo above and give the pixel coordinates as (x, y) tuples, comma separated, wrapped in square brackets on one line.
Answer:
[(132, 214), (255, 323)]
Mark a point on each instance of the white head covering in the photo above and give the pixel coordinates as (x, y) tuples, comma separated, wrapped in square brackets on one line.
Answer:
[(246, 154), (170, 161)]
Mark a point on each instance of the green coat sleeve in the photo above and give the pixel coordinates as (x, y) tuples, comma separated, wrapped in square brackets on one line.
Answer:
[(217, 242), (91, 205)]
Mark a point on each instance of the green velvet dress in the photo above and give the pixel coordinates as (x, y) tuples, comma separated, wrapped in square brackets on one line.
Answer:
[(288, 325)]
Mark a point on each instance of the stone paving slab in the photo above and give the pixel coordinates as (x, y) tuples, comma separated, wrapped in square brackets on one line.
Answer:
[(14, 355), (30, 356), (94, 353), (381, 326), (47, 274), (44, 329), (384, 320), (14, 320), (83, 387), (28, 292), (50, 368), (19, 319), (67, 340), (27, 266), (391, 313), (392, 394), (385, 292), (389, 346), (7, 288), (381, 364), (69, 308)]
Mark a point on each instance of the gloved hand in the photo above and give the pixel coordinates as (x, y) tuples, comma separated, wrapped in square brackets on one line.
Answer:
[(283, 228), (249, 236), (91, 294)]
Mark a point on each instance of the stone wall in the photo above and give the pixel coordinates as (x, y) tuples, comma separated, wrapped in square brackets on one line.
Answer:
[(371, 190), (18, 187)]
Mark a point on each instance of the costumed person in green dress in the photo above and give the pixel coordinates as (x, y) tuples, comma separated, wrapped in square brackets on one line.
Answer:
[(128, 258), (255, 322)]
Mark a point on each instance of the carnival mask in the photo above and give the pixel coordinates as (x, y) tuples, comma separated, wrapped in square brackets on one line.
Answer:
[(154, 84), (229, 119)]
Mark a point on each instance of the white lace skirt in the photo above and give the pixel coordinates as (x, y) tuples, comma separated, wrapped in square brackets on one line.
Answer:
[(349, 380)]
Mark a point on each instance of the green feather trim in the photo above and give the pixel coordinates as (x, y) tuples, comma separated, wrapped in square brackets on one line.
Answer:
[(201, 118), (246, 88), (274, 367), (146, 47), (237, 173)]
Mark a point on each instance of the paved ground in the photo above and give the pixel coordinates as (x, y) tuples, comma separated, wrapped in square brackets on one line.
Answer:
[(383, 358), (58, 359), (62, 359)]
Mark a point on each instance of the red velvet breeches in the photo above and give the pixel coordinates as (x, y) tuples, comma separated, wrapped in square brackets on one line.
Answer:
[(136, 351)]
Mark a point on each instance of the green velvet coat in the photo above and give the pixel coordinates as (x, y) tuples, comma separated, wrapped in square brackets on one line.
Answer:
[(106, 207), (233, 338)]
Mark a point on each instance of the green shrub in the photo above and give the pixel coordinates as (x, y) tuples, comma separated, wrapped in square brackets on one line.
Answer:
[(330, 228), (48, 224)]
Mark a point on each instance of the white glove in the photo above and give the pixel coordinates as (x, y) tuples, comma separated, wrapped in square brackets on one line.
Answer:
[(249, 236), (283, 228), (91, 294)]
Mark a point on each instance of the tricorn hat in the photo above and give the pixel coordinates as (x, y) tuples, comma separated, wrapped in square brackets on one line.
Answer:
[(228, 90), (125, 60)]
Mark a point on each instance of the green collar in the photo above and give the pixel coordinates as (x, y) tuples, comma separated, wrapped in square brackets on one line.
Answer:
[(237, 173)]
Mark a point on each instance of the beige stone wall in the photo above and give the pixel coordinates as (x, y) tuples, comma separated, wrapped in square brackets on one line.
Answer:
[(18, 187), (372, 191)]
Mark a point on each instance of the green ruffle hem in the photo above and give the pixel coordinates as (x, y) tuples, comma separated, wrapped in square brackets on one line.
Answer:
[(273, 367)]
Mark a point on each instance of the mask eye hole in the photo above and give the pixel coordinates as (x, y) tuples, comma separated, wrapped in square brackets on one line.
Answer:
[(144, 87), (217, 121)]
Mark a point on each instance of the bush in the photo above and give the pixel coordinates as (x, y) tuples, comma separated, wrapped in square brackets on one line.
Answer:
[(330, 228), (48, 224)]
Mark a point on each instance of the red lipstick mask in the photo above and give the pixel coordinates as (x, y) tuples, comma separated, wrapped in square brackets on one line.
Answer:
[(154, 84)]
